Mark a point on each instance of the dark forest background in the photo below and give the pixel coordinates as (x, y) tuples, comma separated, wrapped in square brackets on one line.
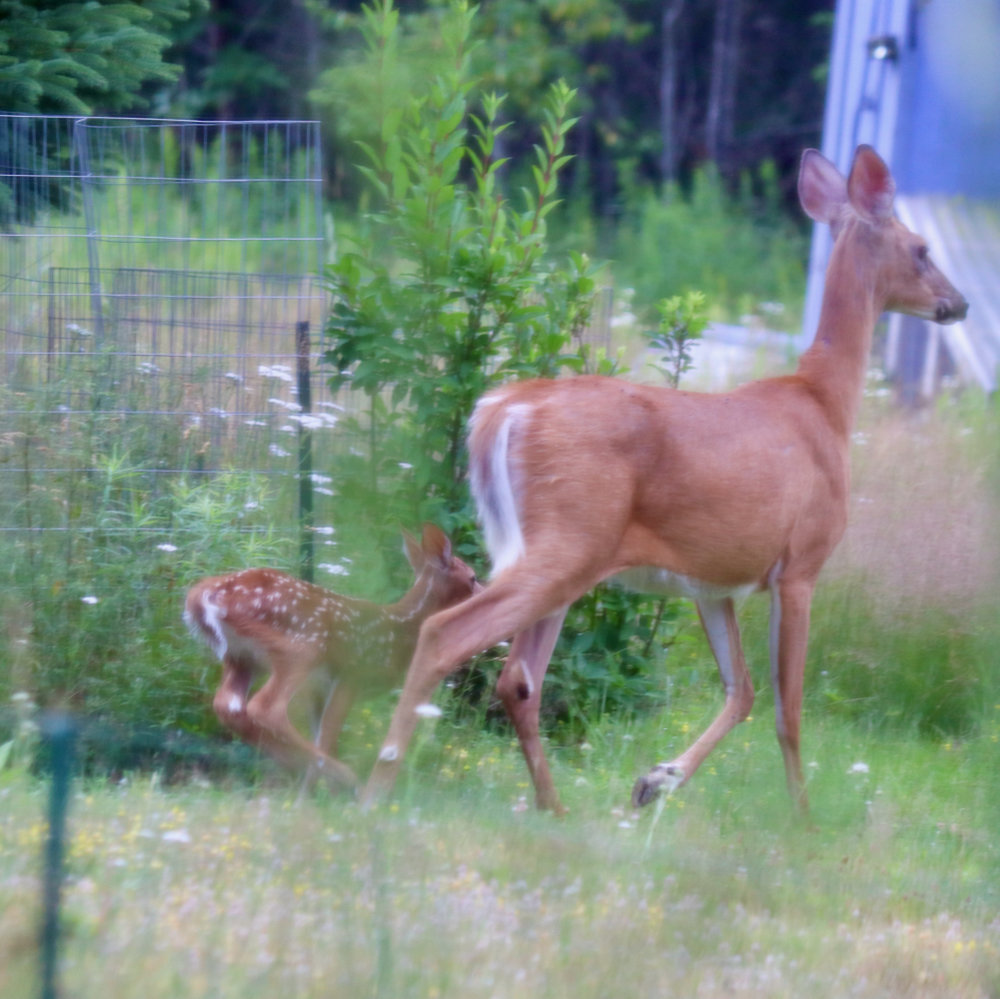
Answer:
[(664, 86)]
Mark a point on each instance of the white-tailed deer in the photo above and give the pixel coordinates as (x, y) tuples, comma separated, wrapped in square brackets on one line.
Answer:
[(711, 496), (265, 622)]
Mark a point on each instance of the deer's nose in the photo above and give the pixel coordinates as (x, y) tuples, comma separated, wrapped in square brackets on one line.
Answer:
[(950, 310)]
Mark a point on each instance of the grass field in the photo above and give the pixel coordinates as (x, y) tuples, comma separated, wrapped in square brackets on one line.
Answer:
[(457, 889)]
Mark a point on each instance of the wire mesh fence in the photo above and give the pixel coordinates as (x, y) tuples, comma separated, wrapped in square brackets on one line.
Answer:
[(162, 412), (160, 321), (155, 270)]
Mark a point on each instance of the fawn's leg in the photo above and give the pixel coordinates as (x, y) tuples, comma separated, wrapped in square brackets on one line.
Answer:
[(230, 701), (272, 730)]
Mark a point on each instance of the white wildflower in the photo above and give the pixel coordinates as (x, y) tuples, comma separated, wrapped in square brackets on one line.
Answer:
[(284, 404), (280, 371), (334, 569)]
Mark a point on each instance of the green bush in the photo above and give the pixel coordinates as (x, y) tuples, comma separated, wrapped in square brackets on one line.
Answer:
[(447, 288), (450, 288)]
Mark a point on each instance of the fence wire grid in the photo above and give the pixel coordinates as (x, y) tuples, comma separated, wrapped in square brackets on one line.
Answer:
[(157, 280)]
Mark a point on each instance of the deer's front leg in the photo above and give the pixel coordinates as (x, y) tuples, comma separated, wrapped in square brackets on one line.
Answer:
[(431, 663), (790, 607), (718, 618), (327, 728), (331, 722)]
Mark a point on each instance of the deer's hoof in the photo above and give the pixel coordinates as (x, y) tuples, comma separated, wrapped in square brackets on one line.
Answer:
[(663, 777)]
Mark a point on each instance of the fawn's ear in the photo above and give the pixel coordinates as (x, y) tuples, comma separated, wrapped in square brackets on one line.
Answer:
[(870, 187), (413, 551), (822, 188), (436, 544)]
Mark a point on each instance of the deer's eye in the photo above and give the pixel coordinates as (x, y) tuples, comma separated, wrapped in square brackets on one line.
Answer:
[(921, 253)]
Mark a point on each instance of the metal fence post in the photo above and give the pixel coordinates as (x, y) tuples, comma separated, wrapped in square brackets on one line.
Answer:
[(306, 542), (59, 730)]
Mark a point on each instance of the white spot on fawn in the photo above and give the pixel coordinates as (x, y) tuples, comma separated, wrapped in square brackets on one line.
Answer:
[(235, 704), (428, 711), (389, 754)]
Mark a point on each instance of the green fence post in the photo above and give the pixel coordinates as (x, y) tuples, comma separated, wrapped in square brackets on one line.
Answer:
[(59, 730), (306, 542)]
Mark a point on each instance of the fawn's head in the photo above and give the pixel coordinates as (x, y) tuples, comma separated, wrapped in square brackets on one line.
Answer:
[(449, 579)]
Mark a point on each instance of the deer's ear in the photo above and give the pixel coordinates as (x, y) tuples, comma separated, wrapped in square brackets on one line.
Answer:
[(870, 186), (822, 188), (436, 544), (412, 550)]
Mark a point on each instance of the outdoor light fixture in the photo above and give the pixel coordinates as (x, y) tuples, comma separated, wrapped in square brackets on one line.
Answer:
[(883, 47)]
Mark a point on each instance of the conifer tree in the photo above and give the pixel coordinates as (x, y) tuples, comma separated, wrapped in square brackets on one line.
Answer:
[(85, 58)]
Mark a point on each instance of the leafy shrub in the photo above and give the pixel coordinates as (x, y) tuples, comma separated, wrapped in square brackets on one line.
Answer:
[(447, 289)]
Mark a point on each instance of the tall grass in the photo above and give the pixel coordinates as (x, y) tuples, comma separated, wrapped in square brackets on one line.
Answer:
[(907, 626), (742, 251), (457, 890)]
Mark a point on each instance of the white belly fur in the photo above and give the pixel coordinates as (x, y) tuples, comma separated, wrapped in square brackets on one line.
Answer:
[(650, 579)]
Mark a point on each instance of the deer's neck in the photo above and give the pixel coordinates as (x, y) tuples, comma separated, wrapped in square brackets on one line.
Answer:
[(412, 607), (836, 364)]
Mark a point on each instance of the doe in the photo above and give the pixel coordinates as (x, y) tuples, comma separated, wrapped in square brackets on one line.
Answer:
[(265, 622), (710, 496)]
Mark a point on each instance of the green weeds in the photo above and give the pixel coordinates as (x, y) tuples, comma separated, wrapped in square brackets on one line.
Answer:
[(741, 251)]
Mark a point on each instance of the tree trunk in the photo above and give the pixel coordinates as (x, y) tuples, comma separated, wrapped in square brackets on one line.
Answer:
[(670, 146), (719, 121)]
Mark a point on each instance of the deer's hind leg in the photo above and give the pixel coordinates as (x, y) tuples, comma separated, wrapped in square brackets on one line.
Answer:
[(718, 618), (230, 701), (520, 688), (516, 600)]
